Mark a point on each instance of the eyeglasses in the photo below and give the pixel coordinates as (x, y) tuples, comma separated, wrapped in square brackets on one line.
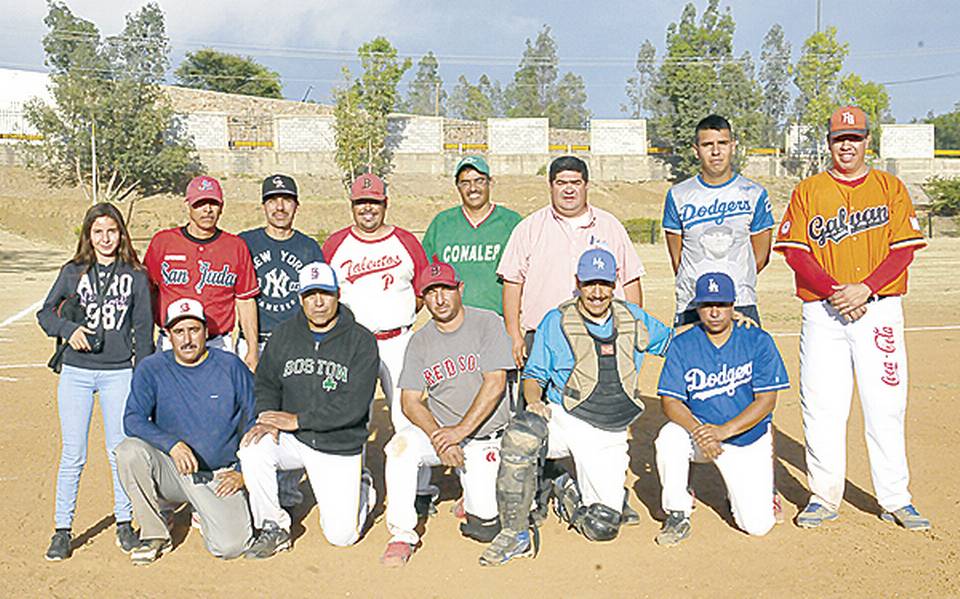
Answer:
[(468, 183)]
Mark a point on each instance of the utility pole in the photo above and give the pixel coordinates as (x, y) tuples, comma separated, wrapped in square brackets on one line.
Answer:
[(93, 155), (436, 98), (819, 7)]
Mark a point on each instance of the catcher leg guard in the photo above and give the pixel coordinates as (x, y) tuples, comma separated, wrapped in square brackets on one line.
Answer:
[(479, 529), (520, 451)]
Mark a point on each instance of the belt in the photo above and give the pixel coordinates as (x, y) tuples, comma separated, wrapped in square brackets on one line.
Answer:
[(261, 336), (877, 298), (494, 435), (390, 333)]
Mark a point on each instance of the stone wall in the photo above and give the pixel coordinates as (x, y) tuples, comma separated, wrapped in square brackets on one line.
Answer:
[(304, 134), (415, 134), (208, 129), (618, 137), (510, 137)]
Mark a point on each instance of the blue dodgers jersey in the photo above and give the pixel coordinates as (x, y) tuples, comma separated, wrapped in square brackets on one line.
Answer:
[(717, 383), (278, 265), (551, 360), (716, 222)]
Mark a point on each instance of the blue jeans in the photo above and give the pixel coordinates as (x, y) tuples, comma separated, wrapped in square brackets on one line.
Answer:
[(75, 399)]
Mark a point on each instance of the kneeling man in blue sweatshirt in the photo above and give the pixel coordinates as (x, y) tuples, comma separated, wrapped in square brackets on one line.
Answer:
[(314, 386), (186, 414)]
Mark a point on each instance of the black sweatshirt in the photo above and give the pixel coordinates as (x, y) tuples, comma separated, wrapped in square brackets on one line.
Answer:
[(126, 305), (329, 384)]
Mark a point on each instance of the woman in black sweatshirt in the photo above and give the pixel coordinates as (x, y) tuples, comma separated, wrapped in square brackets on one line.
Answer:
[(106, 280)]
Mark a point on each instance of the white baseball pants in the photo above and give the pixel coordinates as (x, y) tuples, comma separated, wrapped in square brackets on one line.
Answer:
[(831, 351), (408, 451), (600, 456), (747, 472), (343, 498)]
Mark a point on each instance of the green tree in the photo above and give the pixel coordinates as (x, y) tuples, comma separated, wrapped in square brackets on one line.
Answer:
[(567, 106), (229, 73), (947, 128), (774, 78), (639, 84), (475, 102), (699, 75), (871, 97), (425, 94), (109, 89), (361, 109), (817, 77)]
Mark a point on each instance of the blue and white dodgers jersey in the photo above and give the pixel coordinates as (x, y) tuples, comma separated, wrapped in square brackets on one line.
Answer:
[(716, 222), (717, 383)]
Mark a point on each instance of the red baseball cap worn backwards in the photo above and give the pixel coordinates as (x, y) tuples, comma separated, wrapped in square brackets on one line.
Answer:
[(368, 187), (437, 273), (204, 188)]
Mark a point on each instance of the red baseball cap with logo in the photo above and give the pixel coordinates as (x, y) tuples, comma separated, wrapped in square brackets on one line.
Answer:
[(204, 188), (848, 120), (368, 187), (437, 273)]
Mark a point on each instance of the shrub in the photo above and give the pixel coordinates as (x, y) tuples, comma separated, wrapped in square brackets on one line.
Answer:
[(945, 193), (643, 230)]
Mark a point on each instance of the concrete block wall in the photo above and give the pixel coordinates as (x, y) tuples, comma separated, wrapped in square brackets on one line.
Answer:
[(510, 137), (415, 134), (618, 137), (208, 129), (906, 141), (304, 134)]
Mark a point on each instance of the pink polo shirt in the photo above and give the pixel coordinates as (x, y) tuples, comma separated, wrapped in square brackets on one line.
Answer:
[(543, 251)]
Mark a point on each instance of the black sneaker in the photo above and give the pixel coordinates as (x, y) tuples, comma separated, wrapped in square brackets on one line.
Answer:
[(675, 529), (271, 540), (127, 538), (149, 551), (59, 546)]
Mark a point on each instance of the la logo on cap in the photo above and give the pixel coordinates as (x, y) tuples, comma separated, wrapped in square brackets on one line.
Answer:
[(278, 183), (598, 263), (712, 286)]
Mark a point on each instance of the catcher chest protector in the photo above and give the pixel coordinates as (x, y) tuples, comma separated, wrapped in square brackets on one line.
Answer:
[(602, 388)]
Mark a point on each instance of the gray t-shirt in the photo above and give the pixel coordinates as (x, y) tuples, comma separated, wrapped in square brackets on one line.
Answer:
[(450, 367)]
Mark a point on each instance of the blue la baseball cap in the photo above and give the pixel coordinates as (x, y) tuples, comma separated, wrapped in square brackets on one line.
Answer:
[(597, 264), (715, 288)]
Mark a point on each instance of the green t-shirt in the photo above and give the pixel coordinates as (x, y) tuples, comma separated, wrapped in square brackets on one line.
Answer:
[(473, 251)]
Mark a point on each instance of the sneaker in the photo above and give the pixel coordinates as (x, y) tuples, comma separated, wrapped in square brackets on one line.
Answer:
[(271, 540), (814, 515), (127, 538), (396, 554), (509, 544), (908, 517), (675, 529), (778, 516), (149, 551), (426, 501), (60, 548)]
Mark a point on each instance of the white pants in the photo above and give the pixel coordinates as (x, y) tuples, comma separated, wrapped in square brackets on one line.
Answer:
[(343, 497), (600, 457), (223, 342), (747, 472), (831, 351), (408, 451)]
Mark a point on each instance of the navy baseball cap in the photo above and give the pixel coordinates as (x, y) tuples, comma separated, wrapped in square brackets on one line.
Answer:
[(715, 288), (277, 185), (597, 265), (477, 163)]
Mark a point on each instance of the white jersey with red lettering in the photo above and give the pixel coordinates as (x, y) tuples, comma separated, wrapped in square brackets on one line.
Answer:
[(376, 277), (215, 271)]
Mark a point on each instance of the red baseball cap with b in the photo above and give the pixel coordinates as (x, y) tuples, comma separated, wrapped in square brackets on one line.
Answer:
[(368, 187), (848, 120), (204, 188), (437, 273)]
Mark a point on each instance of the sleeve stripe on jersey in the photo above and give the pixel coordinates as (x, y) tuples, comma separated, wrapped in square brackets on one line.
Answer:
[(777, 387), (671, 230), (672, 394), (903, 243), (248, 294), (782, 245)]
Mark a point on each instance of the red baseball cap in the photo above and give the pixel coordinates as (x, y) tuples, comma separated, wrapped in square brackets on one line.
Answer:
[(204, 188), (437, 273), (368, 187), (848, 120)]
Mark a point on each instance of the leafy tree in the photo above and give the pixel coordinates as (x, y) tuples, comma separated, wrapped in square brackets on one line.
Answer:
[(221, 72), (774, 77), (699, 75), (476, 102), (947, 132), (538, 91), (425, 93), (362, 106), (817, 76), (640, 83), (109, 88), (871, 97)]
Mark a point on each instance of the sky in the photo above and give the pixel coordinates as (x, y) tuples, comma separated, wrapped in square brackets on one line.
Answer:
[(912, 47)]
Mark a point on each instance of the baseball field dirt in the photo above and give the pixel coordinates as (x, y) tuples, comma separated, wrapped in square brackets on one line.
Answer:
[(856, 556)]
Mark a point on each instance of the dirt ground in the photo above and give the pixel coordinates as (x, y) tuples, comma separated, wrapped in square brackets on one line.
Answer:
[(857, 556)]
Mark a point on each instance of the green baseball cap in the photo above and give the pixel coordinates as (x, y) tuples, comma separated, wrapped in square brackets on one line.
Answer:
[(477, 163)]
